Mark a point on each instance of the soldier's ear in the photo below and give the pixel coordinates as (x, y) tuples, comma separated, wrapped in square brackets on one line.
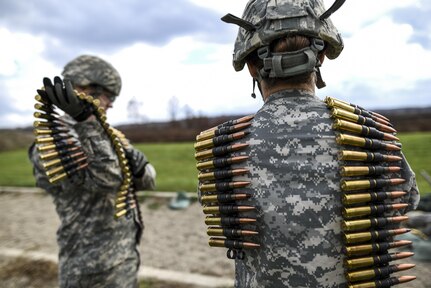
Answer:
[(321, 57), (252, 69)]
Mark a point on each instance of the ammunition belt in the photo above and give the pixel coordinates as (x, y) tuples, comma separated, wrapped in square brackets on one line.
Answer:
[(369, 168), (216, 152), (62, 155)]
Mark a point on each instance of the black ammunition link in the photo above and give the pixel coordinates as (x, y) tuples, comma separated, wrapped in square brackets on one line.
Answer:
[(63, 152), (382, 234), (227, 123), (363, 112), (222, 139), (221, 150), (235, 254), (374, 144), (358, 107), (379, 209), (379, 183), (370, 157), (377, 170), (382, 259), (380, 247), (222, 174), (231, 232), (364, 130), (62, 143), (383, 272), (235, 244), (221, 162), (58, 131), (374, 133), (386, 283), (229, 221), (378, 196), (70, 165), (224, 130), (368, 121), (376, 157), (224, 198), (378, 235), (223, 186), (72, 170), (228, 209), (379, 222)]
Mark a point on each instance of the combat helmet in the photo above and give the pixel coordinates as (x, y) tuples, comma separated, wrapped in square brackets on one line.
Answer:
[(88, 70), (264, 21)]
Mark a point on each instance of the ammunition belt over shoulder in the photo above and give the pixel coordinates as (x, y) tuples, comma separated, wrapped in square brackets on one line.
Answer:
[(216, 152), (369, 154)]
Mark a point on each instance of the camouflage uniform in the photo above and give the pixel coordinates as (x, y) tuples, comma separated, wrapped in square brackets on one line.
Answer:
[(295, 186), (91, 241), (95, 249), (293, 154)]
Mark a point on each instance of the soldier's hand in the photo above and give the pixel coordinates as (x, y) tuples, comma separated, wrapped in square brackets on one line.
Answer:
[(63, 96), (137, 161)]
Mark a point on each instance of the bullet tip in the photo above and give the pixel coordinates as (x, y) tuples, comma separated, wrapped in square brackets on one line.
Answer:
[(404, 279)]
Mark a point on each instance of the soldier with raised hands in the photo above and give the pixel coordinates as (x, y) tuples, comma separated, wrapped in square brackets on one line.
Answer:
[(92, 172), (324, 183)]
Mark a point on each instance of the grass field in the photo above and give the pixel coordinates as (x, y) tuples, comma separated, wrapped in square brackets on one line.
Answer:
[(176, 170), (174, 163), (417, 149)]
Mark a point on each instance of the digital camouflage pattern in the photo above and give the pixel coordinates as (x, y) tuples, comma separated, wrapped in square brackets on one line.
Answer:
[(295, 186), (90, 239), (277, 18), (123, 275), (91, 70)]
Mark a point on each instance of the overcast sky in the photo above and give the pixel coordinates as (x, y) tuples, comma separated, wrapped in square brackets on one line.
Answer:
[(180, 49)]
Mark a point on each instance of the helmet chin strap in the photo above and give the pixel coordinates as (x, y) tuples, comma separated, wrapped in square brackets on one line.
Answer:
[(288, 64), (337, 4), (319, 80), (253, 95), (256, 81)]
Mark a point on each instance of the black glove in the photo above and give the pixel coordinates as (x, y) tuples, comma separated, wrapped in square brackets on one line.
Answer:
[(137, 161), (65, 98)]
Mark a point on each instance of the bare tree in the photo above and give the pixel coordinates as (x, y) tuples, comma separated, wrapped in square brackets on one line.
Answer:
[(134, 111), (173, 108), (188, 112)]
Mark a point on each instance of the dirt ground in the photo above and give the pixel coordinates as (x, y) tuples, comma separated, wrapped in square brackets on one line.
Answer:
[(173, 240)]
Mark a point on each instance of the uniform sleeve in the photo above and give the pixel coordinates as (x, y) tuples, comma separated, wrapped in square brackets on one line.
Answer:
[(103, 171), (147, 179), (412, 197)]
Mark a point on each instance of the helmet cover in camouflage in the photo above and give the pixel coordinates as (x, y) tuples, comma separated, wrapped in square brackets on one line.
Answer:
[(274, 19), (91, 70)]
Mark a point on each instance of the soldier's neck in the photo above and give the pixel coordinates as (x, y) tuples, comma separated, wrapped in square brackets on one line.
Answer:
[(267, 91)]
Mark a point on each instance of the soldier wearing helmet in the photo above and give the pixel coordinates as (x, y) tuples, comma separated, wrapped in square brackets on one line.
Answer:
[(95, 248), (293, 164)]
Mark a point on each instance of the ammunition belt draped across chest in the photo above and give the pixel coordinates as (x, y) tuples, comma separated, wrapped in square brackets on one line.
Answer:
[(62, 155), (370, 157)]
